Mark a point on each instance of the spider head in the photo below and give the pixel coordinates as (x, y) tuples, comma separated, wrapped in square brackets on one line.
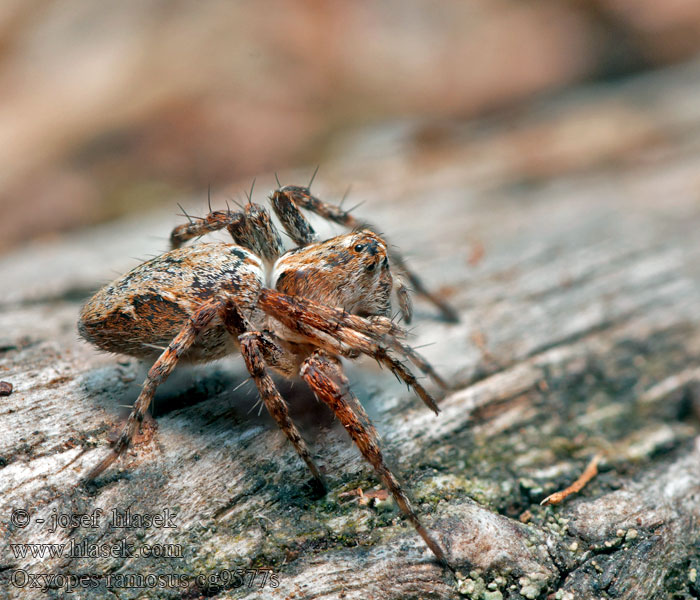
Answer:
[(350, 271)]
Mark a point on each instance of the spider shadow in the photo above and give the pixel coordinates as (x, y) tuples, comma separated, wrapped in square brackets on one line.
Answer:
[(206, 393), (234, 396), (209, 401)]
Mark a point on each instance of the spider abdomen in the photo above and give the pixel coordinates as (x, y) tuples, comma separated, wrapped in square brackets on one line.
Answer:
[(141, 312)]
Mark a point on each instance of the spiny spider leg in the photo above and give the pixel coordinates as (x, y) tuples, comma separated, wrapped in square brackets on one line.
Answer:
[(259, 349), (257, 232), (214, 221), (251, 228), (256, 348), (380, 329), (253, 351), (326, 378), (416, 359), (157, 374), (304, 316), (292, 219), (402, 295), (448, 313), (302, 198)]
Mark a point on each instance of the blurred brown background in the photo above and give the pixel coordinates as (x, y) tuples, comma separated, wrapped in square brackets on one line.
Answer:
[(108, 108)]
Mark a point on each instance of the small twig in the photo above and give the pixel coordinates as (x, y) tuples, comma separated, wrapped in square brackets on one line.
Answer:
[(367, 498), (589, 473)]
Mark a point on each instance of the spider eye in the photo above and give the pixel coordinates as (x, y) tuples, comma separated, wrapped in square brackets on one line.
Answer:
[(359, 247)]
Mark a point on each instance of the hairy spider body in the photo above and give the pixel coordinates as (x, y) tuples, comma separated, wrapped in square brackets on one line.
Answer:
[(295, 312), (140, 313)]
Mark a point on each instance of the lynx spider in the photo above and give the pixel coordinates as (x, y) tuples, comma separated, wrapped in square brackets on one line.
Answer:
[(323, 300)]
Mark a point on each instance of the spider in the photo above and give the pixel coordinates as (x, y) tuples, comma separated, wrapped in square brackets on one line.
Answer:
[(296, 312)]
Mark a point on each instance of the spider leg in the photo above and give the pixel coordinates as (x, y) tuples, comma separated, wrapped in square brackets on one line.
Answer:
[(403, 297), (214, 221), (341, 333), (447, 311), (257, 349), (292, 219), (257, 232), (301, 197), (339, 323), (416, 359), (251, 228), (158, 373), (326, 378)]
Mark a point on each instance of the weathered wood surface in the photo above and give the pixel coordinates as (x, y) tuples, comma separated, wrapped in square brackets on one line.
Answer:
[(568, 236)]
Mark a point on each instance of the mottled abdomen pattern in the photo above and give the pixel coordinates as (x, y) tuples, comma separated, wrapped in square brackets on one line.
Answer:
[(141, 312)]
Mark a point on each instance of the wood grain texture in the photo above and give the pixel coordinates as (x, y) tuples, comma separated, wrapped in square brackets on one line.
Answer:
[(567, 235)]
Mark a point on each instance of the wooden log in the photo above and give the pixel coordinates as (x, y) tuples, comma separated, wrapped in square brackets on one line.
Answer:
[(573, 259)]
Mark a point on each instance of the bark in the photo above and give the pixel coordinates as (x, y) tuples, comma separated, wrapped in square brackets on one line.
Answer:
[(567, 237)]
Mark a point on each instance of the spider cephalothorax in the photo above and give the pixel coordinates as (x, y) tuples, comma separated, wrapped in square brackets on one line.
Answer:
[(349, 271), (296, 312)]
